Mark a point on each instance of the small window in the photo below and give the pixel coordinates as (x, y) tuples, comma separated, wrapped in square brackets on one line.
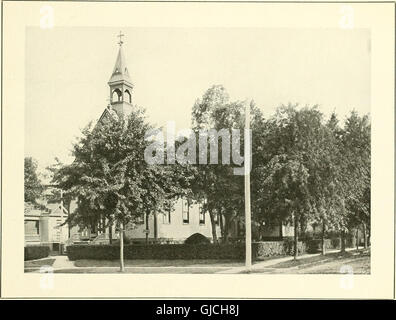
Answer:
[(32, 227), (128, 96), (186, 211), (166, 217), (201, 215)]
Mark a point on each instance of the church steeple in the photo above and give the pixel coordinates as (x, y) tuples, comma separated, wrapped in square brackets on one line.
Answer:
[(120, 84)]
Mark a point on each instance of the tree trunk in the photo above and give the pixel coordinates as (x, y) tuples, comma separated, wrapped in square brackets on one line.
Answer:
[(221, 226), (323, 238), (68, 214), (368, 229), (155, 227), (357, 239), (147, 227), (365, 235), (122, 268), (295, 237), (343, 240), (213, 223), (280, 230), (226, 229), (104, 225), (110, 232)]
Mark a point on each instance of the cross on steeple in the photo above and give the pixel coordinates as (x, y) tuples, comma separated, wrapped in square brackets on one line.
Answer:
[(120, 36), (120, 83)]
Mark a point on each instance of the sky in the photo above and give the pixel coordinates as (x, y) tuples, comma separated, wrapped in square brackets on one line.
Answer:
[(67, 70)]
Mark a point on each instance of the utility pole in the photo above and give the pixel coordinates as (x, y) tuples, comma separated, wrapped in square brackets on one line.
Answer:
[(248, 223)]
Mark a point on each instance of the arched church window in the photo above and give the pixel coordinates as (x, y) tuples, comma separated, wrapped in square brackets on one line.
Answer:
[(128, 96)]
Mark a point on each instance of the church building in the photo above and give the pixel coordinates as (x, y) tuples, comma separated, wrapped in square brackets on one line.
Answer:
[(186, 219)]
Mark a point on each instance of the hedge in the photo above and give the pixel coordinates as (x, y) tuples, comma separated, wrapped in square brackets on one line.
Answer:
[(315, 245), (276, 248), (182, 251), (36, 252), (156, 251)]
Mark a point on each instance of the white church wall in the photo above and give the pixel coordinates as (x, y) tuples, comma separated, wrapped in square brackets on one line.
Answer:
[(176, 229)]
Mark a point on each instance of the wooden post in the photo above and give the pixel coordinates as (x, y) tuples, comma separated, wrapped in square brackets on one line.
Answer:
[(248, 223)]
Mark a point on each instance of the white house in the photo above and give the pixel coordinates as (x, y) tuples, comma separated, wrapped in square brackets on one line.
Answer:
[(44, 225)]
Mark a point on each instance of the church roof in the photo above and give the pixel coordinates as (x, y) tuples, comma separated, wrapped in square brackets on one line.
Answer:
[(120, 71), (37, 210), (108, 112)]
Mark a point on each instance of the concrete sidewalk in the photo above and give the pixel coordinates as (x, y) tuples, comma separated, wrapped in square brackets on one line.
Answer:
[(63, 262)]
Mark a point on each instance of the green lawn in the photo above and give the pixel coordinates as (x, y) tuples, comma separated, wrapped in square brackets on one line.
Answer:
[(35, 265), (39, 263), (328, 264), (153, 270), (159, 263)]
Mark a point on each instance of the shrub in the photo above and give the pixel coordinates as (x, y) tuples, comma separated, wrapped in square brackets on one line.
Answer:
[(183, 251), (197, 238), (268, 249), (335, 243), (315, 245), (350, 241), (126, 241), (157, 251), (36, 252), (289, 246)]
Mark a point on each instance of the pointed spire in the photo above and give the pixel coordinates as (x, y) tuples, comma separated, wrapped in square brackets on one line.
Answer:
[(120, 71)]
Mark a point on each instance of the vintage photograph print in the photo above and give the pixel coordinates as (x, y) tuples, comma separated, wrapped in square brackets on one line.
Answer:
[(210, 150)]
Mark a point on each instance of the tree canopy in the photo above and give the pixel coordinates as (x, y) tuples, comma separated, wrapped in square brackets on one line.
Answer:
[(306, 169), (33, 186)]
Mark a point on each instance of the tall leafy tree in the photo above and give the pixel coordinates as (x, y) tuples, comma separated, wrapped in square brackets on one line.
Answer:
[(109, 176), (33, 185), (294, 182), (356, 150), (216, 111)]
